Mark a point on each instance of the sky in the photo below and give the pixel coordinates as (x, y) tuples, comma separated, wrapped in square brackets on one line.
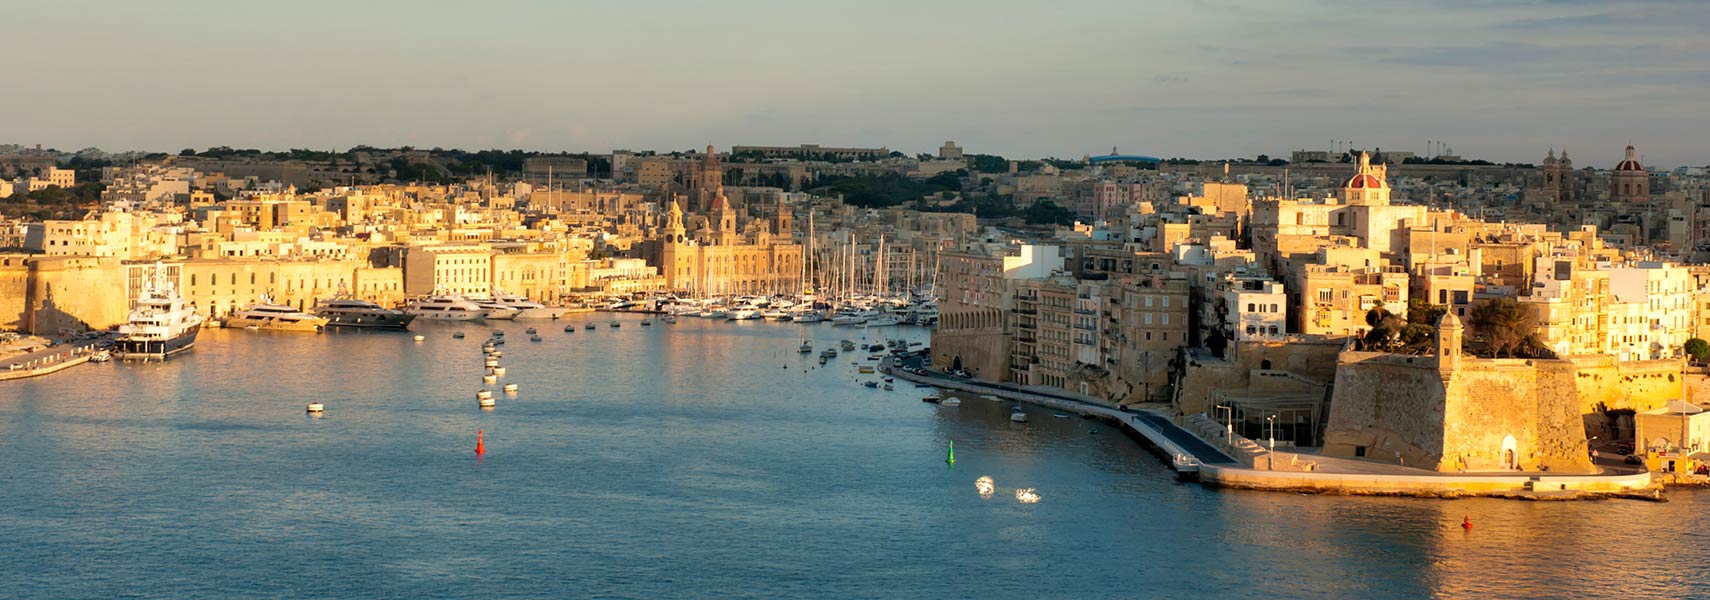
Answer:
[(1502, 80)]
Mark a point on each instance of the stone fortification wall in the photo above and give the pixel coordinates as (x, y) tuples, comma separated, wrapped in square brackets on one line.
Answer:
[(984, 351), (1295, 367), (14, 291), (1639, 385), (75, 294), (1387, 408), (1479, 415), (1535, 403)]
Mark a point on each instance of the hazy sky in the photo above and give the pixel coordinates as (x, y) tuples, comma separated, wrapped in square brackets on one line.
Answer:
[(1496, 79)]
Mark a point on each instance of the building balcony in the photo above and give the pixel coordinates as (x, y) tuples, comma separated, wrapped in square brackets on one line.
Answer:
[(1086, 326), (1027, 339), (1026, 311), (1083, 311)]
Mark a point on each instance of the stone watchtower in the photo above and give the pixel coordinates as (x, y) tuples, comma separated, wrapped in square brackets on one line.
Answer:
[(1449, 335)]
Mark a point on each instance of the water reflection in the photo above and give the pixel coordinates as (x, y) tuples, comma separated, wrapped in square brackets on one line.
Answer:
[(686, 459)]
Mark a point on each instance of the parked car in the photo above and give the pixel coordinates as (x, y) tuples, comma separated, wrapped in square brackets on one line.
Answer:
[(1633, 459)]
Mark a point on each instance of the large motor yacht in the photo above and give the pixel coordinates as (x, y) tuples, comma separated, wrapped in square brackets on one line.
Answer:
[(446, 308), (353, 312), (275, 317), (496, 309), (528, 309), (160, 325)]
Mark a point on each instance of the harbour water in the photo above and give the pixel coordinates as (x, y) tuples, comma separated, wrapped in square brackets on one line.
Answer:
[(701, 459)]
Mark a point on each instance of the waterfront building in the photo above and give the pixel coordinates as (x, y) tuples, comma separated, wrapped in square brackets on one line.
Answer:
[(461, 269), (1146, 321), (717, 259), (976, 292)]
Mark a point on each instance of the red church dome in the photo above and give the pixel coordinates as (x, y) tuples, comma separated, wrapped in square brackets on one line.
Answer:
[(1363, 181), (1630, 164)]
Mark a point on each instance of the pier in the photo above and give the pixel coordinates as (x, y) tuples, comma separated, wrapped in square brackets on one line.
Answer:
[(1181, 449), (48, 360)]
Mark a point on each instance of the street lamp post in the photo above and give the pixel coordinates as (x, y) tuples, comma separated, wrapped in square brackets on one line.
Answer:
[(1229, 425), (1271, 421)]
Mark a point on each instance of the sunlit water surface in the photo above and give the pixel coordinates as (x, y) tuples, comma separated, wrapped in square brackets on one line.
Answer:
[(701, 459)]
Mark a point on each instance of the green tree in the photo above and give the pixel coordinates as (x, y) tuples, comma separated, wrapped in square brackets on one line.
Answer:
[(1216, 343), (1420, 312), (1505, 324), (1697, 349)]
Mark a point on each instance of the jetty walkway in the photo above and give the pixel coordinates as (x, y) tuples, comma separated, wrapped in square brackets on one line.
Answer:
[(1183, 450), (48, 360)]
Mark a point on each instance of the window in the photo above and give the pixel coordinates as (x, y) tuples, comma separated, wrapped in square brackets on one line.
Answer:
[(1250, 307)]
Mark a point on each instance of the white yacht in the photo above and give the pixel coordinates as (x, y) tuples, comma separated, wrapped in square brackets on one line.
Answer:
[(744, 313), (160, 325), (881, 321), (529, 309), (853, 317), (274, 317), (497, 309), (446, 308), (808, 316)]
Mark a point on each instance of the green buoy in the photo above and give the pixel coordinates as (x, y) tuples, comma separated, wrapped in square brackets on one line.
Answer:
[(952, 458)]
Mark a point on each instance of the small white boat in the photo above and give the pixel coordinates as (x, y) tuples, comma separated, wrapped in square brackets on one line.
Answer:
[(498, 353), (951, 401), (483, 395), (492, 362), (421, 338), (569, 329), (806, 348), (529, 331), (489, 378), (486, 402), (616, 324), (591, 326), (990, 397), (316, 408), (510, 388), (534, 338), (499, 371), (1016, 415)]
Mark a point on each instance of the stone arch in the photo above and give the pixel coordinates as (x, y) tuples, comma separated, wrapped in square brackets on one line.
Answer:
[(1510, 453)]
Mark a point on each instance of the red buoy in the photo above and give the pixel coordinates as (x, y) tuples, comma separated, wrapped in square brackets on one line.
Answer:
[(1466, 522), (481, 447)]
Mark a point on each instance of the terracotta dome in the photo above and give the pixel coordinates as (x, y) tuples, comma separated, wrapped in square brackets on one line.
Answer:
[(1363, 181), (1630, 164)]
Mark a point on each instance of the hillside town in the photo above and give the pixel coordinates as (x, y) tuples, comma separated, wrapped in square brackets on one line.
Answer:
[(1421, 311)]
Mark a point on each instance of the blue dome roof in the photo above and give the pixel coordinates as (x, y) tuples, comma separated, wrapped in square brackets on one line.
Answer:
[(1124, 157)]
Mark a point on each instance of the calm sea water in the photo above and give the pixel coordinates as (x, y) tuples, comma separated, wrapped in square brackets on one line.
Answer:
[(702, 459)]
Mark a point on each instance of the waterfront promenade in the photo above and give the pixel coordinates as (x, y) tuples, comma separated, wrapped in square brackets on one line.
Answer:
[(48, 360), (1240, 463)]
